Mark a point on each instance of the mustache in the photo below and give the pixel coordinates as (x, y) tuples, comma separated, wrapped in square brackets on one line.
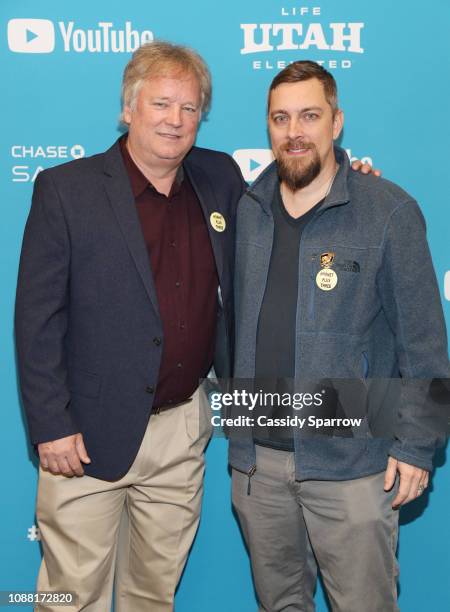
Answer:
[(298, 143)]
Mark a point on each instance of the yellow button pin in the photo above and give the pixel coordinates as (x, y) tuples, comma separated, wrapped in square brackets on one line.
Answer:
[(326, 279), (218, 221)]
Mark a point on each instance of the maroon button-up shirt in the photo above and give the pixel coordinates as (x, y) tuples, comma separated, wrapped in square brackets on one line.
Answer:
[(184, 271)]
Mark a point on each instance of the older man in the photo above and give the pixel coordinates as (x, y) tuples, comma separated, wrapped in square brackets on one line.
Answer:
[(125, 282), (333, 280)]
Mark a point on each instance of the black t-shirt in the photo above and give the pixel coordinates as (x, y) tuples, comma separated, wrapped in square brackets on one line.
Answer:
[(275, 342)]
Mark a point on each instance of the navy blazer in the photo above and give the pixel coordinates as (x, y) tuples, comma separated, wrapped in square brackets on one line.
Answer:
[(86, 307)]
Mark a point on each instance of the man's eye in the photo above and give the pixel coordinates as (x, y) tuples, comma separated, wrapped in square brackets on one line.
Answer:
[(160, 104), (311, 116), (189, 109), (280, 118)]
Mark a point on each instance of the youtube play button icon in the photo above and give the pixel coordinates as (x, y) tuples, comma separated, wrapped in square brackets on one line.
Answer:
[(252, 162), (31, 35)]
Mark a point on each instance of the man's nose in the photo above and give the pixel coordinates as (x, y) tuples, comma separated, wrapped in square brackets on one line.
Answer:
[(295, 128), (174, 116)]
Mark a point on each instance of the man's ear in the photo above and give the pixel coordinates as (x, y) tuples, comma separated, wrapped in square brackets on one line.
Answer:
[(126, 114), (338, 123)]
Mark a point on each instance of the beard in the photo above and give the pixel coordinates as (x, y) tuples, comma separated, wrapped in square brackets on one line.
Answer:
[(297, 173)]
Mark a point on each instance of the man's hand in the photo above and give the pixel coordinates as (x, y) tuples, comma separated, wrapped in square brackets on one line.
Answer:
[(413, 481), (364, 168), (64, 456)]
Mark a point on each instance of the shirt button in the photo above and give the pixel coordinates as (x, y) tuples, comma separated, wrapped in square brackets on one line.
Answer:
[(182, 326), (150, 389), (177, 284), (179, 365), (173, 243), (157, 341)]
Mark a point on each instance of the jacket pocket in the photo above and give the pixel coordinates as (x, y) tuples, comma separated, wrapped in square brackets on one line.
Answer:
[(84, 383)]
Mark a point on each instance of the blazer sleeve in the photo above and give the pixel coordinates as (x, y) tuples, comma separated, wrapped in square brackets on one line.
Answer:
[(410, 297), (41, 315)]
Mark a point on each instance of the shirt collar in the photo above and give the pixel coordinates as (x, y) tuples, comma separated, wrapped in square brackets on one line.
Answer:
[(139, 182)]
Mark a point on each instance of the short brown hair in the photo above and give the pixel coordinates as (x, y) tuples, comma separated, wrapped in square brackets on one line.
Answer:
[(303, 71), (159, 58)]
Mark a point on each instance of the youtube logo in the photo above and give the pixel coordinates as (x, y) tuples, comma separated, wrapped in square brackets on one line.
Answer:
[(31, 36), (252, 162)]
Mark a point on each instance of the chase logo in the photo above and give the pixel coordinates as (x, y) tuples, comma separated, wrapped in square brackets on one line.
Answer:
[(28, 159), (31, 36), (252, 162)]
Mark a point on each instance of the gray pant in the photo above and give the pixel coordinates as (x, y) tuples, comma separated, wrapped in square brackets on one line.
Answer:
[(349, 525)]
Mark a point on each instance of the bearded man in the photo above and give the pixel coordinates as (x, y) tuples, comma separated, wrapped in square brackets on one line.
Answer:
[(328, 263)]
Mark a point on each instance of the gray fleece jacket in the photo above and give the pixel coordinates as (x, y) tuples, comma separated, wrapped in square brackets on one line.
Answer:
[(381, 326)]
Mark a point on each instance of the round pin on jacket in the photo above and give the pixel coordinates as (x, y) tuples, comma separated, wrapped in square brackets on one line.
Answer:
[(218, 221), (326, 279)]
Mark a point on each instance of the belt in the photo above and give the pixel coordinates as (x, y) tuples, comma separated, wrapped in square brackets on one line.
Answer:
[(158, 409)]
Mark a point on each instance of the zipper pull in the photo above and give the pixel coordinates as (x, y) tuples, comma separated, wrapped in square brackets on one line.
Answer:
[(250, 474)]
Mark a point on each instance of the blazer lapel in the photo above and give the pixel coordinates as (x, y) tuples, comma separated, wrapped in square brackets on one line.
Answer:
[(121, 198), (208, 202)]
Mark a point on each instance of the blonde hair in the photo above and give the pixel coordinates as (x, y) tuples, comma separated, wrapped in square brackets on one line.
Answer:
[(161, 58)]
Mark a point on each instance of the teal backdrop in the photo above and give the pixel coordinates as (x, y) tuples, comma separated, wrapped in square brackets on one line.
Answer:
[(62, 65)]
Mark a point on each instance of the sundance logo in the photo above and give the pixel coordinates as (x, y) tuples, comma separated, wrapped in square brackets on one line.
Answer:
[(38, 36)]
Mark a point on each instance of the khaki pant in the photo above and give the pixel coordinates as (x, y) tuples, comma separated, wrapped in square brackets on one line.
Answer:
[(158, 503)]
